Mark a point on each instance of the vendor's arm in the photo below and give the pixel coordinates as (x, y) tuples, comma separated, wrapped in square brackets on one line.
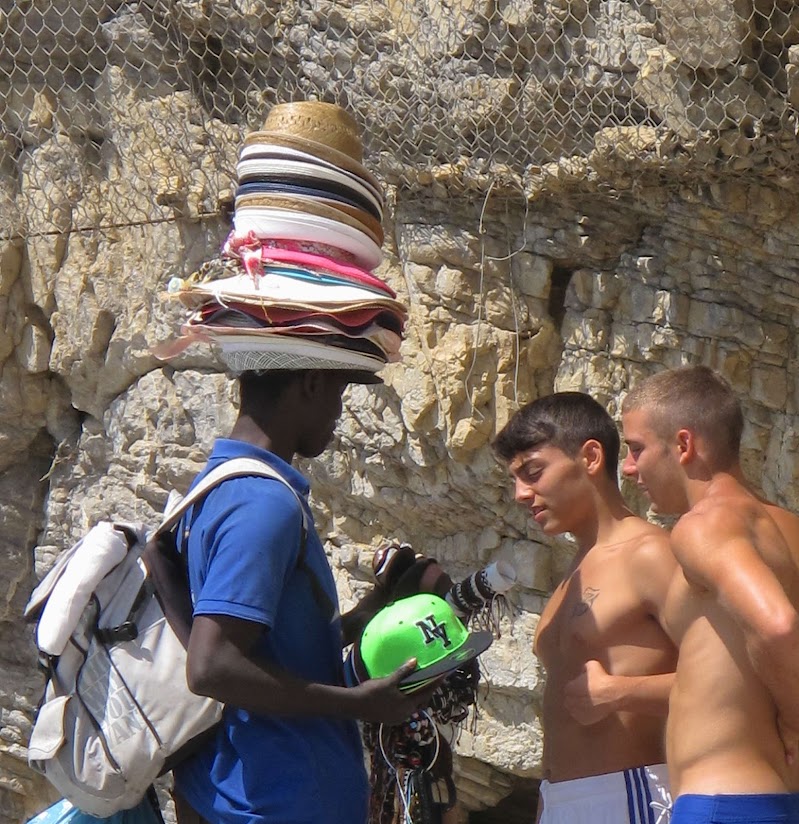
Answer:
[(247, 558), (221, 665), (354, 621)]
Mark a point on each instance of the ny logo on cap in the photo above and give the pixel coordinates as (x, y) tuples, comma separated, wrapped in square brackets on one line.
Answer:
[(432, 630)]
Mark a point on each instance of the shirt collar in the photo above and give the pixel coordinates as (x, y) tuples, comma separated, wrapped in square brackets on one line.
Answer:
[(227, 448)]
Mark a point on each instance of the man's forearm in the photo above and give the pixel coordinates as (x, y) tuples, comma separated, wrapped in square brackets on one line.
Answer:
[(775, 659), (595, 694), (645, 694)]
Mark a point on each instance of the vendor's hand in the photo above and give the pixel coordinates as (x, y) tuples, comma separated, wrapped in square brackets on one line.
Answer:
[(381, 699), (592, 695), (354, 621)]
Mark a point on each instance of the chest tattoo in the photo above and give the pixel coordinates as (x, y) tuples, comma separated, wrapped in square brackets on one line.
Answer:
[(589, 596)]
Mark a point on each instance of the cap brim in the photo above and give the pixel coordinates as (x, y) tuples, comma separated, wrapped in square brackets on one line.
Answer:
[(362, 376), (476, 644), (408, 688)]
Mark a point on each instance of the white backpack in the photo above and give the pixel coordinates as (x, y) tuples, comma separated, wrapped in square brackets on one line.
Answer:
[(113, 618)]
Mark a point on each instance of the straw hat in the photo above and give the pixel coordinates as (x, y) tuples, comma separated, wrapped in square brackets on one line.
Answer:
[(243, 353), (324, 129)]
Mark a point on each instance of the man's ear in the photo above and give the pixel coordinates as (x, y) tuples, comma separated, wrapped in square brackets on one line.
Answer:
[(593, 455), (310, 384), (686, 445)]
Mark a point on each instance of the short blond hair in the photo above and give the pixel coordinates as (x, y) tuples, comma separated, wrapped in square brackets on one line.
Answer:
[(694, 398)]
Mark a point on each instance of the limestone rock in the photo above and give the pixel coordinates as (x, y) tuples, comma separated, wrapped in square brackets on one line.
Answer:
[(705, 34), (639, 211)]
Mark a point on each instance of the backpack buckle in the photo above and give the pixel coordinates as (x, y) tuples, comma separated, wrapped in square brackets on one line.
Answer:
[(128, 631)]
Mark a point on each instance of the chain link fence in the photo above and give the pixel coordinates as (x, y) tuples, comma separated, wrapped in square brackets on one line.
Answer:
[(116, 112)]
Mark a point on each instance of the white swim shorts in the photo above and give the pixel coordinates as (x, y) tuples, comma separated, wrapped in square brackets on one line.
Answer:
[(637, 796)]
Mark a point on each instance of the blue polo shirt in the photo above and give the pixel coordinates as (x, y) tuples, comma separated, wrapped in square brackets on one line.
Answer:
[(243, 546)]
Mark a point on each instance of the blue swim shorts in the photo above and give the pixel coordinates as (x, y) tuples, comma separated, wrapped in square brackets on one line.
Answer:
[(776, 808)]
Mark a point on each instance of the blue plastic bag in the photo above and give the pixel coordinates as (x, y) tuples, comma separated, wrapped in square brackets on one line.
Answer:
[(63, 812)]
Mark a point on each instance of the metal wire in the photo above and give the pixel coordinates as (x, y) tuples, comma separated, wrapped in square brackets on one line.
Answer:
[(139, 107)]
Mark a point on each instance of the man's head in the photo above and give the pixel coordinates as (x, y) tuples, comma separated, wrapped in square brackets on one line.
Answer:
[(298, 408), (680, 424), (559, 449)]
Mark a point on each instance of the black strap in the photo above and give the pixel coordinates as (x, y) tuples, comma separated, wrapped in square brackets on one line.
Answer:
[(323, 600), (152, 799)]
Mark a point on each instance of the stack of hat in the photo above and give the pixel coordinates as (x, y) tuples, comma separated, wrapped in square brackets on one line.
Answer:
[(294, 288)]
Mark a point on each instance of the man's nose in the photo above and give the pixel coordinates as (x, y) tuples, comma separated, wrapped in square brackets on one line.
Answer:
[(523, 491), (628, 467)]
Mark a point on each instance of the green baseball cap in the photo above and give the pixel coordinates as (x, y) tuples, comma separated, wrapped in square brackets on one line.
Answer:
[(423, 627)]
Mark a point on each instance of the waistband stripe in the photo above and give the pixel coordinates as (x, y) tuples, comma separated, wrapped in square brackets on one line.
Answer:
[(639, 797), (647, 791), (630, 807)]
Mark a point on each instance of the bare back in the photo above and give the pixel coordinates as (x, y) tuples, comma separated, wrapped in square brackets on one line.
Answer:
[(606, 610), (722, 735)]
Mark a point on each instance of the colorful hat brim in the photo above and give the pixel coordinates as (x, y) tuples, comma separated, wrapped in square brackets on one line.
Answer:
[(286, 203), (297, 186), (264, 169), (408, 688), (288, 293), (280, 153), (325, 264), (273, 223), (476, 644), (313, 147)]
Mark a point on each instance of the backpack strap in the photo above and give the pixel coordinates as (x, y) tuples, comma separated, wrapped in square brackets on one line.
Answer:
[(234, 468), (242, 467)]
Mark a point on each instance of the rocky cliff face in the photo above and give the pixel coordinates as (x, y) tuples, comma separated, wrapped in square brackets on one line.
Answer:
[(580, 193)]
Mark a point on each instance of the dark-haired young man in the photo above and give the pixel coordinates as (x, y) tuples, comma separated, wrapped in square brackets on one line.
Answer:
[(609, 663), (733, 728), (263, 640)]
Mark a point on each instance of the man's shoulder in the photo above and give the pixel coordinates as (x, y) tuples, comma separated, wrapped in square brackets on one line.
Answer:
[(718, 514), (645, 554), (252, 499), (788, 522), (264, 485), (642, 538), (636, 549), (732, 518), (651, 556)]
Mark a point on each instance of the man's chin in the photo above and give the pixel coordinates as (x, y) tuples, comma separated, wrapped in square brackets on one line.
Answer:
[(311, 452), (653, 504), (552, 528), (662, 509)]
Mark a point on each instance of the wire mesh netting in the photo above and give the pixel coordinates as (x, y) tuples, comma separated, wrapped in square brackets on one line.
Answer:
[(117, 112)]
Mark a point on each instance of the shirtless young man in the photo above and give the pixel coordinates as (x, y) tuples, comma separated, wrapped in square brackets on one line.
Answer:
[(733, 727), (609, 664)]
